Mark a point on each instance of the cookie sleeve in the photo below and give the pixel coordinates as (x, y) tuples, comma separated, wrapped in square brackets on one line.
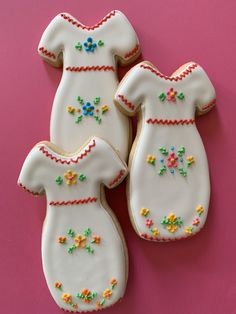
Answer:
[(205, 92), (129, 94), (125, 42), (51, 43), (112, 169), (31, 176)]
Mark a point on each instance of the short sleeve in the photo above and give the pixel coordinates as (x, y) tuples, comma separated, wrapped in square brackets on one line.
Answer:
[(112, 169), (130, 92), (51, 44), (126, 44), (30, 178), (205, 98)]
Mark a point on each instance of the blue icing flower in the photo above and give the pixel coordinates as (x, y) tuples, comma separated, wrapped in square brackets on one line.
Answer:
[(172, 148), (89, 45), (88, 109), (172, 170), (161, 159)]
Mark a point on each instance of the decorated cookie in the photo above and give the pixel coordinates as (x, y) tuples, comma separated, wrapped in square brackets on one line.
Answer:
[(83, 250), (83, 104), (169, 185)]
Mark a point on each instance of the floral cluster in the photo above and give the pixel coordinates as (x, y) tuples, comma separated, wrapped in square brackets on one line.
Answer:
[(172, 160), (172, 223), (196, 220), (88, 109), (70, 177), (83, 240), (89, 45), (171, 95), (149, 222), (107, 293)]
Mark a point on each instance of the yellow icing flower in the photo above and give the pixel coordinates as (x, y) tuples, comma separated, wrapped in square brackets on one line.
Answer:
[(171, 217), (70, 109), (171, 228), (144, 211), (190, 160), (105, 108), (66, 297), (70, 177), (155, 232), (188, 230), (199, 209), (107, 293), (80, 240), (151, 159)]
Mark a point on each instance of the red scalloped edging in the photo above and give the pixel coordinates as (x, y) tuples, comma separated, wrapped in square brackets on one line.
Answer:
[(74, 202), (71, 160), (90, 68), (126, 102), (170, 121), (47, 53), (27, 190), (209, 105), (89, 28), (117, 178), (187, 71), (132, 52)]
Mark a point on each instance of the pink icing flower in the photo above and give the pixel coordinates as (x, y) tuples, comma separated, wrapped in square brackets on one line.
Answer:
[(171, 94), (196, 221), (149, 223), (172, 160)]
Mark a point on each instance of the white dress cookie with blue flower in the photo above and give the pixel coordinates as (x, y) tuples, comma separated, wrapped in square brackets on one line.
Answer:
[(169, 186), (83, 105), (83, 250)]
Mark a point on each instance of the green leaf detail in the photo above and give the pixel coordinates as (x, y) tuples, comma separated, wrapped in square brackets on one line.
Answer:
[(181, 151), (82, 177), (162, 96), (79, 119), (89, 249), (100, 43), (87, 232), (80, 100), (163, 150), (180, 96), (162, 170), (102, 301), (96, 100), (58, 180), (182, 172), (71, 233), (79, 46), (98, 119)]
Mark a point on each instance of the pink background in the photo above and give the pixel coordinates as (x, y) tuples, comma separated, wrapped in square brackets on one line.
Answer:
[(194, 276)]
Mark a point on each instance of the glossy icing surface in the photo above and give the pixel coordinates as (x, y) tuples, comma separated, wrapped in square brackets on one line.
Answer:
[(169, 187)]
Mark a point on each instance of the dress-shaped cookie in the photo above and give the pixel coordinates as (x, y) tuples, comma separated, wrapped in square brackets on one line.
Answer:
[(169, 185), (83, 251), (83, 104)]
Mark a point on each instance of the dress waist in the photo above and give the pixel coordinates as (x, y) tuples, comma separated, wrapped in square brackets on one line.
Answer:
[(170, 121), (80, 201)]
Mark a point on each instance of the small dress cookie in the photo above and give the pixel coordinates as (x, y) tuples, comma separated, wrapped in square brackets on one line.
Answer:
[(169, 186), (83, 104), (83, 250)]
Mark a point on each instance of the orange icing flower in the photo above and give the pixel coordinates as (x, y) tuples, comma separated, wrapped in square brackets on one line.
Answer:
[(66, 297), (144, 211), (62, 240), (70, 177), (80, 240), (107, 293), (113, 281), (57, 284), (96, 239)]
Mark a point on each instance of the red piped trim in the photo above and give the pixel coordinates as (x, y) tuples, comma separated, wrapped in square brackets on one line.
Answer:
[(132, 52), (89, 28), (47, 53), (126, 102), (27, 190), (171, 121), (117, 178), (74, 202), (148, 237), (209, 105), (91, 68), (187, 71), (71, 160)]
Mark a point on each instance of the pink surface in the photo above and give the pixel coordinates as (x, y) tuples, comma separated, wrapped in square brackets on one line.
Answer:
[(194, 276)]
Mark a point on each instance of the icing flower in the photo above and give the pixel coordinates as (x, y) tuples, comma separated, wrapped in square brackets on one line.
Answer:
[(57, 284), (171, 95), (86, 295), (155, 231), (151, 159), (70, 177), (75, 306), (113, 282), (96, 239), (62, 240), (196, 221), (172, 223), (172, 160), (199, 209), (90, 45), (70, 109), (104, 109), (107, 293), (88, 109), (66, 297), (80, 240), (144, 211), (188, 230), (190, 160), (149, 223)]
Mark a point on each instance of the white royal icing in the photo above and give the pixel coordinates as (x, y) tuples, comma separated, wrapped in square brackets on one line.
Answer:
[(63, 40), (167, 121), (95, 164)]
